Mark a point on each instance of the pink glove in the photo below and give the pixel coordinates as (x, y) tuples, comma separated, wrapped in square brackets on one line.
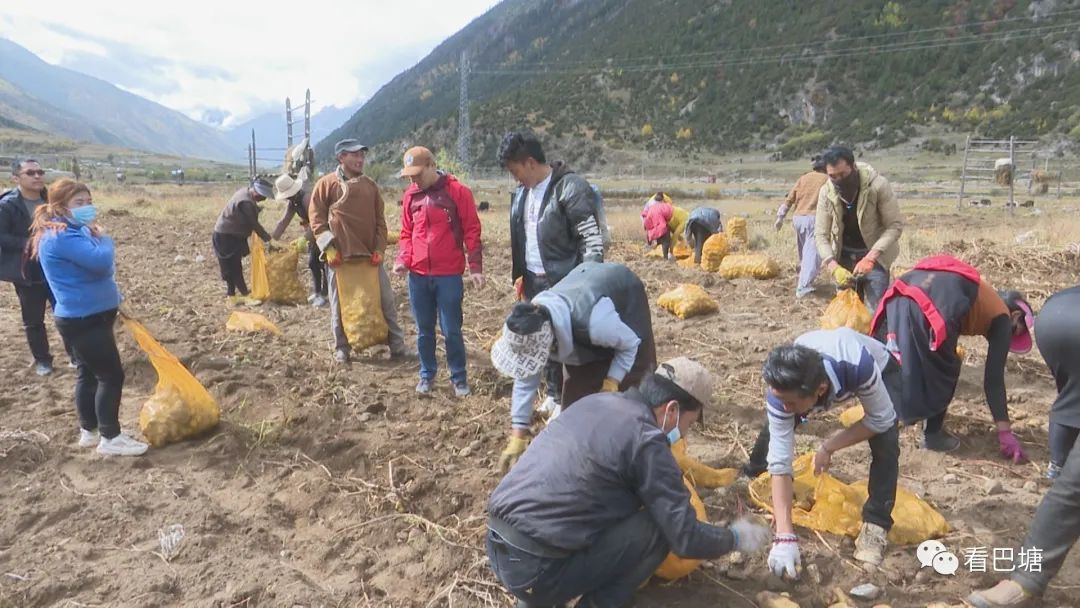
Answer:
[(1010, 446)]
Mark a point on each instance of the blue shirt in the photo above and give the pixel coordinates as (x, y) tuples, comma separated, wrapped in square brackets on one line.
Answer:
[(79, 268)]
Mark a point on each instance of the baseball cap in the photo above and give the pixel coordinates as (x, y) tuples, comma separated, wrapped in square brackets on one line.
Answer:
[(690, 376), (349, 145), (416, 158)]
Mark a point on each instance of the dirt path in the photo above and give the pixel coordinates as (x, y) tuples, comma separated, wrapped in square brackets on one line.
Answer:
[(328, 486)]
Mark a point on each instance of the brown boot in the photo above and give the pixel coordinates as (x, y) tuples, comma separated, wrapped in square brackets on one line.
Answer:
[(871, 543), (1005, 593)]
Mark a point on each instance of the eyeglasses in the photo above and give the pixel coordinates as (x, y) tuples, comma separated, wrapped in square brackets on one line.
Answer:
[(34, 172)]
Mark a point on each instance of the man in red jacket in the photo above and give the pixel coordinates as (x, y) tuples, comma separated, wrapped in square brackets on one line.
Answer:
[(439, 228)]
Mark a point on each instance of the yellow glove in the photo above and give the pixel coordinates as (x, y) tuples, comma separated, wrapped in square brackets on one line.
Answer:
[(332, 257), (514, 449), (842, 276), (610, 385)]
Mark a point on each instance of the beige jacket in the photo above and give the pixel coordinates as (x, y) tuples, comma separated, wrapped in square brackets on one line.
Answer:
[(879, 217)]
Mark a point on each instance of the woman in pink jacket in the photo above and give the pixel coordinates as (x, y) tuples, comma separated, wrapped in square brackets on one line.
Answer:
[(655, 218)]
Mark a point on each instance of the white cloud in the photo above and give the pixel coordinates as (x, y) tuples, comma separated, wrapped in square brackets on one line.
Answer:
[(242, 57)]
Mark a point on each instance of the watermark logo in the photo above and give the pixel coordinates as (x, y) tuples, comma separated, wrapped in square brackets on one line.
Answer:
[(934, 554)]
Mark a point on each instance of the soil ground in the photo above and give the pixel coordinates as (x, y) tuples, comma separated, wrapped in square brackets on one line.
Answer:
[(336, 486)]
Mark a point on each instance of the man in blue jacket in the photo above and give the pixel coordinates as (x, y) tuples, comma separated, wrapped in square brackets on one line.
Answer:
[(16, 214)]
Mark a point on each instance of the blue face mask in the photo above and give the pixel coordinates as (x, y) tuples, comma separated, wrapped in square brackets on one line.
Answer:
[(84, 215), (674, 434)]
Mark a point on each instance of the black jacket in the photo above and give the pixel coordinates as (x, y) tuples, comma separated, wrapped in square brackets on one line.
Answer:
[(14, 235), (598, 463), (569, 232)]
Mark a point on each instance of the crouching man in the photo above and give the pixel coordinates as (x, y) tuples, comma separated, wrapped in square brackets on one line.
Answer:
[(822, 368), (597, 502)]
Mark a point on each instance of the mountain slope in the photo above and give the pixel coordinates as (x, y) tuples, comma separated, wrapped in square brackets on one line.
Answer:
[(737, 75), (270, 128), (48, 97)]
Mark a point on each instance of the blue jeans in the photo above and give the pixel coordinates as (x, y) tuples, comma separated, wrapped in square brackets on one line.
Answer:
[(605, 574), (429, 296)]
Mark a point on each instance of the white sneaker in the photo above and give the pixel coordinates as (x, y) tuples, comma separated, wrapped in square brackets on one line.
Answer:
[(88, 439), (121, 445), (318, 302)]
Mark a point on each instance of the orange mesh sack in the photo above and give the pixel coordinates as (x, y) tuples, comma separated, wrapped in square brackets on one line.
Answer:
[(738, 234), (181, 407), (274, 277), (681, 251), (688, 300), (361, 308), (250, 322), (827, 504), (847, 310), (749, 266), (713, 252)]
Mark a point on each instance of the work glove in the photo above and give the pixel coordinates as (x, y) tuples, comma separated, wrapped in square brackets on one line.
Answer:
[(332, 257), (1010, 446), (376, 258), (784, 558), (515, 447), (324, 240), (300, 244), (842, 276), (866, 265), (610, 385), (750, 536), (519, 289)]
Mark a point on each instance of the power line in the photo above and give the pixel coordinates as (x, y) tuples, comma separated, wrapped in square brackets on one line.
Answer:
[(901, 46)]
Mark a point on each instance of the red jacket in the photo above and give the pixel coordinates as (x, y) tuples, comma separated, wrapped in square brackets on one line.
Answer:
[(439, 226), (656, 218)]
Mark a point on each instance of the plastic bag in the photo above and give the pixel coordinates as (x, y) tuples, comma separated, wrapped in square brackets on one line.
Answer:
[(847, 310), (738, 234), (181, 407), (361, 308), (713, 252), (688, 300), (754, 266), (273, 276), (687, 263), (250, 322), (851, 415), (827, 504)]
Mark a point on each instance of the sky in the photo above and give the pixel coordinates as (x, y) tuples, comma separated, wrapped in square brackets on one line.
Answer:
[(224, 62)]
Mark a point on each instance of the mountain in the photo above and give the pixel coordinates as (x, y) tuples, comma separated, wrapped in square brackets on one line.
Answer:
[(734, 75), (270, 128), (64, 102)]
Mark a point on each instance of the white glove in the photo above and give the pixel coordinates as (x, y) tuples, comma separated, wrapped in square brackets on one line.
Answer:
[(784, 558), (750, 536), (324, 240)]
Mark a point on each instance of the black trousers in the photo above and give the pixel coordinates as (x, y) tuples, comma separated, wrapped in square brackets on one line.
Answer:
[(665, 244), (884, 459), (700, 234), (318, 269), (100, 382), (230, 250), (553, 371), (1062, 440), (33, 298)]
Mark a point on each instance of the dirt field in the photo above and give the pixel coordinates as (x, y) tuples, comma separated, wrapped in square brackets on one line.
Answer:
[(335, 486)]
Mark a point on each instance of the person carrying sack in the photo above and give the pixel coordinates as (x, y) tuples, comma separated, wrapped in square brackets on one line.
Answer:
[(297, 200), (348, 219), (233, 228)]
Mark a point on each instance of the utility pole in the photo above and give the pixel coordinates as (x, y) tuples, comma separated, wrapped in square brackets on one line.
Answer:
[(307, 115), (254, 154), (464, 128), (288, 123)]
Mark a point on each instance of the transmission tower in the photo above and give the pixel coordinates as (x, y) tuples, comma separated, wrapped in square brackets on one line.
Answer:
[(464, 128)]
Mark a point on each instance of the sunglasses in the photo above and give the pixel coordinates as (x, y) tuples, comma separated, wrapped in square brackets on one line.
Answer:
[(34, 172)]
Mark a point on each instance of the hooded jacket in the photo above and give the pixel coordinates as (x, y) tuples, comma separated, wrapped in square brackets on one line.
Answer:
[(568, 231), (877, 210), (15, 222), (439, 226), (656, 218)]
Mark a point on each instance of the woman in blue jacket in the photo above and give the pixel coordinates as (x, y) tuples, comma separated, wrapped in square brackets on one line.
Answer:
[(79, 263)]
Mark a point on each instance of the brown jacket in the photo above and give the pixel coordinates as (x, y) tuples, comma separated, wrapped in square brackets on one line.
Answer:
[(879, 217), (240, 217), (352, 210), (803, 198)]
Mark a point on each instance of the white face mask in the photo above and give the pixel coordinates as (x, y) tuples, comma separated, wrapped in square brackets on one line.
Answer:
[(674, 434)]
